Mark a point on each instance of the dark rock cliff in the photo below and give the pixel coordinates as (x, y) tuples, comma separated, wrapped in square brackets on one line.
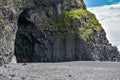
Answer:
[(51, 31)]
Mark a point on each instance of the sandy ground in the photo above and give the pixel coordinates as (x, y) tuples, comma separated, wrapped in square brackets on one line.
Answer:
[(61, 71)]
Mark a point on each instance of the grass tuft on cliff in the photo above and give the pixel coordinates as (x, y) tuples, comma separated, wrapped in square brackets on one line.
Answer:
[(87, 20)]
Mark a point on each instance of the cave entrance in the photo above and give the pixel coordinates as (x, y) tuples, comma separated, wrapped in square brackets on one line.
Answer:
[(24, 44)]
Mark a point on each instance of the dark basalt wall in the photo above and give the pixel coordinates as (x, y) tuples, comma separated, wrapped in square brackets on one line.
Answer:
[(28, 33)]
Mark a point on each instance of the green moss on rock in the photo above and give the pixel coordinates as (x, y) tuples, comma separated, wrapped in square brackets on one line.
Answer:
[(88, 22), (84, 33)]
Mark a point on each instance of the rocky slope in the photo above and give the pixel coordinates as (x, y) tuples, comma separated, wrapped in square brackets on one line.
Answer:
[(51, 31)]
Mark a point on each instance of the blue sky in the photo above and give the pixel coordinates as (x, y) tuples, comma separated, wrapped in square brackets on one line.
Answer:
[(94, 3), (108, 14)]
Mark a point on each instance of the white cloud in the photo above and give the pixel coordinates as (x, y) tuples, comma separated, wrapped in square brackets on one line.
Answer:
[(109, 17)]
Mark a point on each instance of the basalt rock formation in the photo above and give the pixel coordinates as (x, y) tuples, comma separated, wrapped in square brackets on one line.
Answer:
[(51, 31)]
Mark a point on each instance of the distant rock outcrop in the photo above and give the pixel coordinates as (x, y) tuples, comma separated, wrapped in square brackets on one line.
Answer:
[(51, 31)]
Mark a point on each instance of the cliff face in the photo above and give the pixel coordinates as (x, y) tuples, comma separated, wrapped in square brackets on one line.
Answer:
[(51, 31), (9, 13)]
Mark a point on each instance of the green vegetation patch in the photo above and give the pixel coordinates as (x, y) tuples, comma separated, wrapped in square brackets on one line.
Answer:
[(84, 33), (88, 22)]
